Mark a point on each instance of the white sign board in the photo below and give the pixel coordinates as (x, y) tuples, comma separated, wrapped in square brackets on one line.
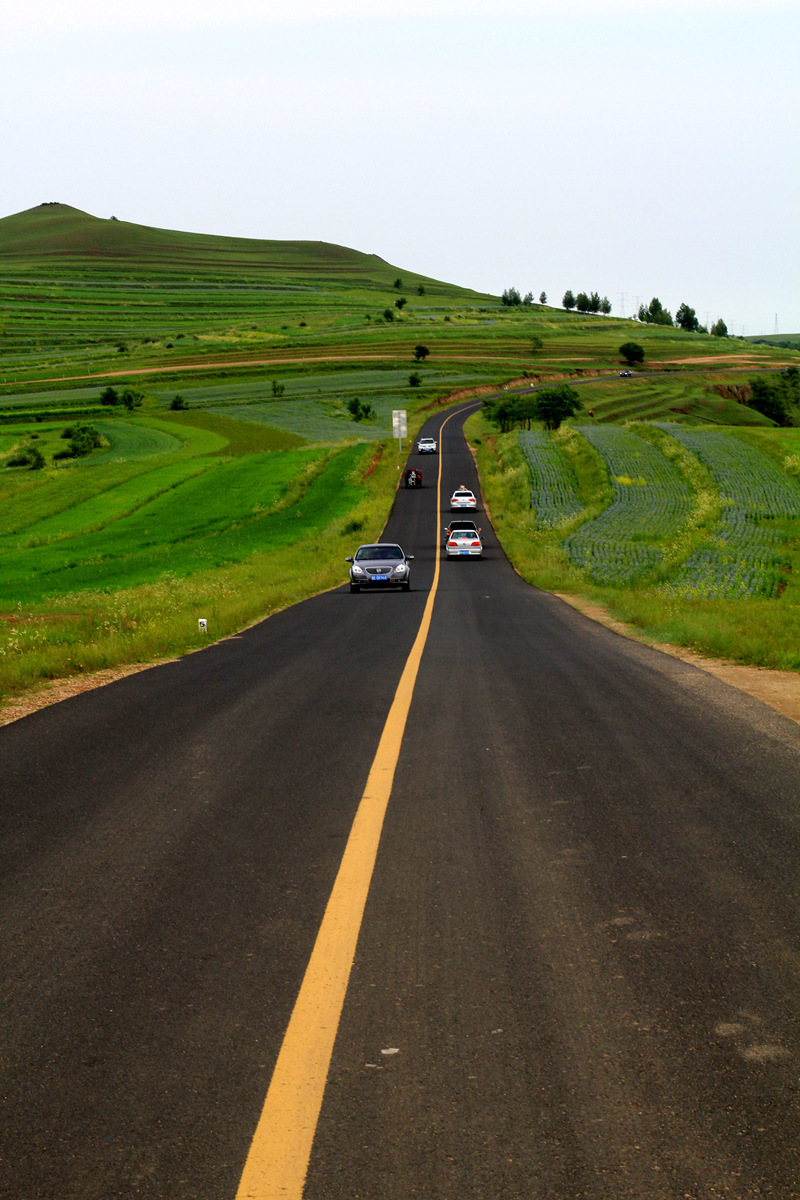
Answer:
[(399, 423)]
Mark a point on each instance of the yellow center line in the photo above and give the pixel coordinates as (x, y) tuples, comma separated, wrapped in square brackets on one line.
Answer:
[(278, 1159)]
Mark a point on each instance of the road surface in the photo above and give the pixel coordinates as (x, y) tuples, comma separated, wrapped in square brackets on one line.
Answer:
[(578, 968)]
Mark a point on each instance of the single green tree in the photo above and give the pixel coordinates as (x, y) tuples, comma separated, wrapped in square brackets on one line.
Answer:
[(719, 329), (536, 343), (552, 405), (420, 353), (686, 319), (420, 290), (605, 306), (398, 283), (595, 302), (543, 297), (527, 298), (178, 404), (400, 303), (583, 303), (414, 380), (388, 314), (632, 352), (569, 300), (110, 397)]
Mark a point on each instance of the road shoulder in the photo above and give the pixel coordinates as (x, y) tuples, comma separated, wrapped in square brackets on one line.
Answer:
[(779, 689)]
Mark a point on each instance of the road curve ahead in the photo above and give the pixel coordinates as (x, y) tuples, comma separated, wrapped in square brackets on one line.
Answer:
[(578, 968)]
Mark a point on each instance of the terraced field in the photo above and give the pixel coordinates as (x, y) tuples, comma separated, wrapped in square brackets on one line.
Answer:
[(651, 501), (745, 554), (554, 491)]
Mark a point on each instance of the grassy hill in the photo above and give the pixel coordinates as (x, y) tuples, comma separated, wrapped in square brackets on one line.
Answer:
[(52, 234)]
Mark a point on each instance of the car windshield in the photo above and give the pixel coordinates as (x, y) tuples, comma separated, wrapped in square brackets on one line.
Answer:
[(377, 553), (462, 495)]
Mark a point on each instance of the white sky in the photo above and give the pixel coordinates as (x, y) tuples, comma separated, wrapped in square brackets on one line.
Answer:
[(644, 147)]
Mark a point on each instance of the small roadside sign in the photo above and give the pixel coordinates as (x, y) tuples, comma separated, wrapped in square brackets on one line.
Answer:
[(399, 426)]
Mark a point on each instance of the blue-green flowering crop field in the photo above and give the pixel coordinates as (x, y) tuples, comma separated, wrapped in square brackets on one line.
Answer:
[(651, 501), (744, 556), (554, 489)]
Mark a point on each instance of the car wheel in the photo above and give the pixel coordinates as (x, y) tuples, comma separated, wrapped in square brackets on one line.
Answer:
[(354, 587)]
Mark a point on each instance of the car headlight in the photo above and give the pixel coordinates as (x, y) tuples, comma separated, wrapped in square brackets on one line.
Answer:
[(401, 569), (357, 570)]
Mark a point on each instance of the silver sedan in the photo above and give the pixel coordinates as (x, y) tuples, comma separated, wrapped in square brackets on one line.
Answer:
[(464, 543), (383, 565)]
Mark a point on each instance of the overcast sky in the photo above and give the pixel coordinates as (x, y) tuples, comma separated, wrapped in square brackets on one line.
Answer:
[(632, 147)]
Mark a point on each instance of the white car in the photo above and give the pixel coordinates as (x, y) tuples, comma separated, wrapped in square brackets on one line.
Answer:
[(463, 498), (464, 543), (427, 445)]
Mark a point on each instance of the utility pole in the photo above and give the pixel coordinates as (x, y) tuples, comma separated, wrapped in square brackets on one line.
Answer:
[(776, 322), (621, 304)]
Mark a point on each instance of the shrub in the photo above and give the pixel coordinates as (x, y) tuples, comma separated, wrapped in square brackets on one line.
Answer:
[(31, 457), (420, 352), (360, 410), (109, 396), (178, 404), (131, 399), (632, 352), (414, 380)]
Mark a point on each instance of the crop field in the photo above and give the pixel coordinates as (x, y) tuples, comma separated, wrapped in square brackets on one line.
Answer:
[(744, 556), (554, 492), (651, 500)]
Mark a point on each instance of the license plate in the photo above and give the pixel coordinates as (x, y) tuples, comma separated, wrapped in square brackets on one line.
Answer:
[(463, 552), (380, 578)]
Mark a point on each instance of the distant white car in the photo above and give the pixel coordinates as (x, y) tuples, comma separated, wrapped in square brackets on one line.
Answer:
[(464, 543), (463, 498), (626, 374), (427, 445)]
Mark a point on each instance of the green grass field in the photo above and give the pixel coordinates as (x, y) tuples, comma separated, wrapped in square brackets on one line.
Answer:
[(217, 510)]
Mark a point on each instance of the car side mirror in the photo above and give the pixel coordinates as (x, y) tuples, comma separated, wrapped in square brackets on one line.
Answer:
[(409, 558), (348, 560)]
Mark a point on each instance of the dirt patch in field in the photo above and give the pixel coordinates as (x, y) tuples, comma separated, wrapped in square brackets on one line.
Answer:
[(748, 359), (779, 689)]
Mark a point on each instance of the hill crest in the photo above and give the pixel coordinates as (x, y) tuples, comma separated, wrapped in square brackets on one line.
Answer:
[(54, 232)]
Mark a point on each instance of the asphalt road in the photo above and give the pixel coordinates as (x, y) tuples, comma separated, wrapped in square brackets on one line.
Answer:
[(581, 945)]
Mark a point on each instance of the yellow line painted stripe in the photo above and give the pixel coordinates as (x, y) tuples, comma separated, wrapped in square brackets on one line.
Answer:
[(278, 1160)]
